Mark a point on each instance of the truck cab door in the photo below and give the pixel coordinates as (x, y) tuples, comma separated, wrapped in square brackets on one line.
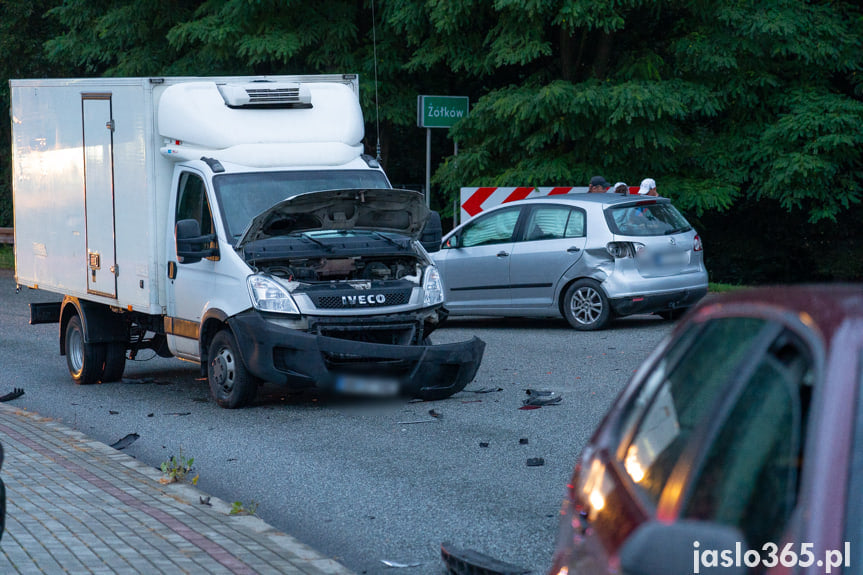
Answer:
[(191, 280)]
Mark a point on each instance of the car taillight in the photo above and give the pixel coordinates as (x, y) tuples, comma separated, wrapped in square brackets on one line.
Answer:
[(696, 244), (625, 249)]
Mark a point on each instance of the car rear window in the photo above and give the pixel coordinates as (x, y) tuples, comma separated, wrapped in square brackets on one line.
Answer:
[(646, 219)]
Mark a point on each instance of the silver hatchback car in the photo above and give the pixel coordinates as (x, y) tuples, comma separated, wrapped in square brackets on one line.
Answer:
[(587, 257)]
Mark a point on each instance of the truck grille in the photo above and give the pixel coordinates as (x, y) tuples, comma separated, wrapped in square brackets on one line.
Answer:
[(361, 300)]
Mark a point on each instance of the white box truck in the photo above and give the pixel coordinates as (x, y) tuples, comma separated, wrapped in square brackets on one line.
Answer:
[(234, 222)]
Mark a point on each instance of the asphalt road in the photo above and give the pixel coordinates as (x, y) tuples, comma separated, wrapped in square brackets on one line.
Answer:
[(371, 482)]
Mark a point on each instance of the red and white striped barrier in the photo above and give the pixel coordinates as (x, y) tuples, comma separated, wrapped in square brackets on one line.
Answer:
[(475, 200)]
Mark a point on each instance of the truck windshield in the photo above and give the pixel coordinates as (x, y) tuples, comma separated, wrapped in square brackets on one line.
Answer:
[(243, 196)]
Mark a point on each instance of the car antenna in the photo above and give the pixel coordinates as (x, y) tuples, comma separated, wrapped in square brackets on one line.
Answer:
[(377, 113)]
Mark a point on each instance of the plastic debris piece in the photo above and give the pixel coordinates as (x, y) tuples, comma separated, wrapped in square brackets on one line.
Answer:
[(112, 412), (483, 443), (434, 413), (526, 407), (418, 421), (535, 462), (541, 397), (180, 413), (396, 564), (523, 441), (484, 390), (469, 562), (14, 394), (126, 441), (205, 500)]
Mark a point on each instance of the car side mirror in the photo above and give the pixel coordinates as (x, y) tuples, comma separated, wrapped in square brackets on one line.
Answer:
[(685, 546), (191, 245), (432, 233), (452, 242)]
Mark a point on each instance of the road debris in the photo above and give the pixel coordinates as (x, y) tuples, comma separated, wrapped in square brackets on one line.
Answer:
[(469, 562), (535, 462), (436, 414), (523, 441), (205, 500), (541, 397), (417, 421), (14, 394), (483, 443), (398, 565), (126, 441), (484, 390)]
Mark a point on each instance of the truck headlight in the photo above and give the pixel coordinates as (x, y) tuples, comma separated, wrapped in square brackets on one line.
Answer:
[(269, 295), (432, 287)]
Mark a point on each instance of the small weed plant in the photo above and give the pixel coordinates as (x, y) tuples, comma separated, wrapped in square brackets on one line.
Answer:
[(177, 468), (237, 508)]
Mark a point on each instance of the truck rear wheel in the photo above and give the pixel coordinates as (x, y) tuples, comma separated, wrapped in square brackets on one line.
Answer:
[(231, 384), (115, 362), (85, 361)]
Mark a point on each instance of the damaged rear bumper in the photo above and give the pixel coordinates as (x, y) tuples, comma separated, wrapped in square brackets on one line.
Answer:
[(302, 360)]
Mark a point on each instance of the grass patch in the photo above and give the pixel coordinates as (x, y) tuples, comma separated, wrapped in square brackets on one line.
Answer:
[(721, 288), (7, 257)]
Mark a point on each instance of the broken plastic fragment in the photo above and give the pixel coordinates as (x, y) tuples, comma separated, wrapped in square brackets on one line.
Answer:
[(541, 397), (535, 462), (126, 441), (399, 565), (484, 390), (14, 394)]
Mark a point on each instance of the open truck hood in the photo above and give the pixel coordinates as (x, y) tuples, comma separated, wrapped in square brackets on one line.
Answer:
[(380, 210)]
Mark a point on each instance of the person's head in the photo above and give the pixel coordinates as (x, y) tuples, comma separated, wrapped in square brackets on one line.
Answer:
[(598, 185), (648, 187), (620, 188)]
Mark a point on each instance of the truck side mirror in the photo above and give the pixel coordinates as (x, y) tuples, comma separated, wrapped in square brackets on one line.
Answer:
[(432, 233), (191, 245)]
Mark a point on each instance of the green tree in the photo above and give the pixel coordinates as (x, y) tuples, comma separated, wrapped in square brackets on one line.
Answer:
[(713, 99)]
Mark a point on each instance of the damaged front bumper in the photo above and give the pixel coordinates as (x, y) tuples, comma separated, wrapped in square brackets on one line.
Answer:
[(303, 360)]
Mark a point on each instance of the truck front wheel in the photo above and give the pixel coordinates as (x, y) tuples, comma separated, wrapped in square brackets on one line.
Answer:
[(231, 384), (86, 361)]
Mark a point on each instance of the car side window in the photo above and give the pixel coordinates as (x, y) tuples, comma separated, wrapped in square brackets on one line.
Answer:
[(494, 228), (684, 388), (748, 477), (554, 222), (192, 202)]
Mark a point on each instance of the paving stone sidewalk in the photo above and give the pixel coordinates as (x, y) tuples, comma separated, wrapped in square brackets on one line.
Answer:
[(75, 505)]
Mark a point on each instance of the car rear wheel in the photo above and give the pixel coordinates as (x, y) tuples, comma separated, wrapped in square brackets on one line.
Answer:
[(86, 361), (231, 384), (585, 306)]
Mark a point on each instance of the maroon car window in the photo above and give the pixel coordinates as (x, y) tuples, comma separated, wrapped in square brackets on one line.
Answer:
[(683, 389), (750, 472)]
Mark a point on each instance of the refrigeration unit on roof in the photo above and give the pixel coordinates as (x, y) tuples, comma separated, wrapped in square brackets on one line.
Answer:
[(266, 95)]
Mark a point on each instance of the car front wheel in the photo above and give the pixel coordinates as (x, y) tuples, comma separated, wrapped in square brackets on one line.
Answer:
[(585, 306)]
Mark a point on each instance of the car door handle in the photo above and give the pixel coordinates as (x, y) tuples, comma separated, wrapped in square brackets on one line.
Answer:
[(502, 254), (573, 249)]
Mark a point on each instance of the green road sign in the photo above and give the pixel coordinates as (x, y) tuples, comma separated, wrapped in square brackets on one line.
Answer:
[(440, 111)]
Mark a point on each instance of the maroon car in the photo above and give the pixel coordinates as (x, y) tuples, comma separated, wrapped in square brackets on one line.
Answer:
[(736, 448)]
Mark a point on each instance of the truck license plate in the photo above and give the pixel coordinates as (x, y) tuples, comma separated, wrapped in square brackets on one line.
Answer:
[(360, 385)]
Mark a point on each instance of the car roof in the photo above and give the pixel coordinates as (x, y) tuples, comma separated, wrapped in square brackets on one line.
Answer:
[(606, 198), (824, 307)]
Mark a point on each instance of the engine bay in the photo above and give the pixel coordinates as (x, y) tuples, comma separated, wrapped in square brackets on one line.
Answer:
[(324, 269)]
